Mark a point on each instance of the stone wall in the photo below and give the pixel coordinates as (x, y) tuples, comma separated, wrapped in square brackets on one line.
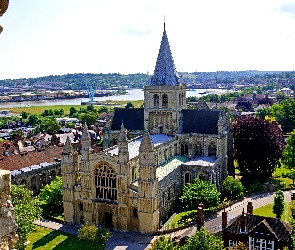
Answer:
[(169, 192), (8, 236)]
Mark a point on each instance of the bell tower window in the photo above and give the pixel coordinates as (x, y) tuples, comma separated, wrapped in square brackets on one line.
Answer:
[(165, 101), (156, 100)]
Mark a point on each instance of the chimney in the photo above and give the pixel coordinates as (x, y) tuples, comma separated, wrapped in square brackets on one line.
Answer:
[(243, 222), (249, 208), (224, 219), (200, 217)]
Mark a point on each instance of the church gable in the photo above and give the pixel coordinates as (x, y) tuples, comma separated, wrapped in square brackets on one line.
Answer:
[(199, 121)]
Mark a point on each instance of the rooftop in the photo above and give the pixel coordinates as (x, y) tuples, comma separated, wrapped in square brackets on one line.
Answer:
[(169, 166), (133, 146)]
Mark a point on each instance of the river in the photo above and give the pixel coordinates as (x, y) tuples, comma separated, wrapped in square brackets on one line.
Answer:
[(133, 95)]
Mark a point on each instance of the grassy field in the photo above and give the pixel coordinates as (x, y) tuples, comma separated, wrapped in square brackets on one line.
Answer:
[(267, 211), (45, 238), (66, 108)]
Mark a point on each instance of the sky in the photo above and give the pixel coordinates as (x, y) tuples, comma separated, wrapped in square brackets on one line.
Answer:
[(55, 37)]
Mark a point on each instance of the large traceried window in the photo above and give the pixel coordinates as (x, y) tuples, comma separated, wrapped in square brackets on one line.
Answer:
[(105, 181), (164, 101), (156, 100)]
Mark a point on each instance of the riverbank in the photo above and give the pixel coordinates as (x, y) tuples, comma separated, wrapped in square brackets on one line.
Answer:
[(40, 109)]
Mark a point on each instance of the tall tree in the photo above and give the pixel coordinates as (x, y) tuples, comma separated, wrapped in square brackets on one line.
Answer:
[(232, 188), (26, 210), (203, 240), (278, 204), (289, 152), (200, 192), (97, 236), (258, 147), (51, 195), (162, 243)]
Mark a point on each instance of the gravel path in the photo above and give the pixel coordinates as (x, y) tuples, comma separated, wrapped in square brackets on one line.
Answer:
[(135, 241)]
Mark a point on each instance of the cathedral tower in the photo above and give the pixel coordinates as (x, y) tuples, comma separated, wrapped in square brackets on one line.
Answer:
[(148, 209), (123, 178), (69, 172), (165, 97)]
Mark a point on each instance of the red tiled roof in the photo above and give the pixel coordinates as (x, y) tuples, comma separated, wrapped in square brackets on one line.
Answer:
[(16, 162)]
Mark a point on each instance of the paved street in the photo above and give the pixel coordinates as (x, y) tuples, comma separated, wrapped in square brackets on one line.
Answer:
[(135, 241)]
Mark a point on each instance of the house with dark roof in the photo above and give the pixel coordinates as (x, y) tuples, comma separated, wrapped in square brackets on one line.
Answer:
[(256, 232), (149, 154)]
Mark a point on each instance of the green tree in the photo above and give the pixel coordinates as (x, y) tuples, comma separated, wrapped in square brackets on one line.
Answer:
[(232, 188), (203, 240), (291, 175), (97, 236), (129, 105), (88, 119), (289, 152), (26, 210), (162, 243), (51, 195), (34, 120), (200, 192), (50, 126), (279, 204), (258, 147), (72, 111), (17, 133), (24, 115)]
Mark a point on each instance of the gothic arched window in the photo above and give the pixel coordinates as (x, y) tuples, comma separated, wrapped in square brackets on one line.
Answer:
[(165, 101), (156, 100), (105, 181), (212, 150), (184, 148), (187, 178), (199, 150)]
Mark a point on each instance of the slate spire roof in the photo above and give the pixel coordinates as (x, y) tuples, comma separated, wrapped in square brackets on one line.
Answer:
[(165, 71)]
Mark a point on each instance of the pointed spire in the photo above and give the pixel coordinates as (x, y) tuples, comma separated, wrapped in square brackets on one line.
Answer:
[(146, 143), (123, 134), (85, 133), (68, 148), (165, 71)]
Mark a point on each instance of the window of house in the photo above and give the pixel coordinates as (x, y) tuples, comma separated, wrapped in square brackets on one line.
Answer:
[(212, 150), (163, 199), (165, 101), (261, 244), (168, 194), (105, 181), (232, 243), (156, 100)]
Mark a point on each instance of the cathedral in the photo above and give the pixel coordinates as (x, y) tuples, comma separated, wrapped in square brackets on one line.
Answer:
[(149, 154)]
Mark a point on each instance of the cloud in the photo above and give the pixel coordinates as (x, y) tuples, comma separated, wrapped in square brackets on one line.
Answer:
[(130, 30), (287, 8)]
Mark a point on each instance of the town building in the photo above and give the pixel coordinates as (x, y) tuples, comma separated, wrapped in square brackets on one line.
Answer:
[(149, 154), (256, 232)]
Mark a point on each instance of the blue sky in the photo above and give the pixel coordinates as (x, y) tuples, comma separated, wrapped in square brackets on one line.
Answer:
[(51, 37)]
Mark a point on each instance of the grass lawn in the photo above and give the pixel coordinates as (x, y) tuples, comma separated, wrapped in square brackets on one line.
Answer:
[(40, 109), (174, 222), (45, 238), (267, 211)]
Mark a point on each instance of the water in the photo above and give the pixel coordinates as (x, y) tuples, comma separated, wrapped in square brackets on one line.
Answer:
[(133, 95)]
